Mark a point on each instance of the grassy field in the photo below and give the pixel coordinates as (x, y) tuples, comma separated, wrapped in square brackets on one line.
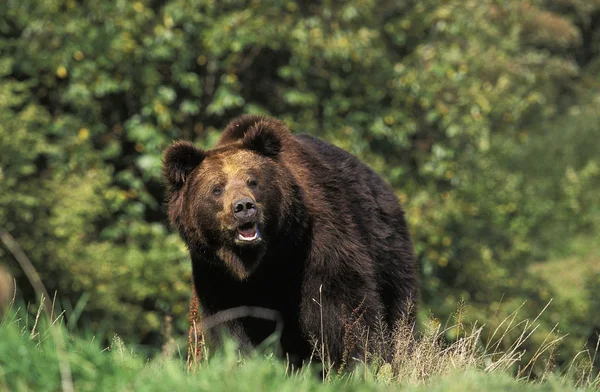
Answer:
[(36, 355)]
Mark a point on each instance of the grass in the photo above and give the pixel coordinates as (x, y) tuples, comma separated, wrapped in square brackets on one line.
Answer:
[(30, 360)]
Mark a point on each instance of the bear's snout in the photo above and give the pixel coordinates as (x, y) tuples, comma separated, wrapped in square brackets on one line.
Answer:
[(244, 208)]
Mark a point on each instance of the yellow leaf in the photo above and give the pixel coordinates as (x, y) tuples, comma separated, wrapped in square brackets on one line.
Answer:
[(231, 78), (61, 72), (83, 134), (138, 6)]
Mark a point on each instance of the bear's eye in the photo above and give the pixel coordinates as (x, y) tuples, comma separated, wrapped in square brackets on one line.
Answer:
[(252, 183), (217, 190)]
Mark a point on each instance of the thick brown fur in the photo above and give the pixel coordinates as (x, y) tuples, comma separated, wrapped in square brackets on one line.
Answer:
[(327, 222)]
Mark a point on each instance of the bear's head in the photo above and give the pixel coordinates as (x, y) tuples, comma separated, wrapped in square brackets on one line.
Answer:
[(230, 202)]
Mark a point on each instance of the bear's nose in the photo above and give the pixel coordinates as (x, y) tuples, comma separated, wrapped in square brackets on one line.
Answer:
[(244, 208)]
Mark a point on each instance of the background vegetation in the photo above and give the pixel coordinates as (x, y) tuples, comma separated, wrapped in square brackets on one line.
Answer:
[(484, 115)]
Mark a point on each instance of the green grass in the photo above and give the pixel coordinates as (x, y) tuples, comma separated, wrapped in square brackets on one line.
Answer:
[(32, 353)]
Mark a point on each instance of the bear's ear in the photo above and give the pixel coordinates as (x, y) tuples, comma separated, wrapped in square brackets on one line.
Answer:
[(238, 127), (179, 160), (264, 139)]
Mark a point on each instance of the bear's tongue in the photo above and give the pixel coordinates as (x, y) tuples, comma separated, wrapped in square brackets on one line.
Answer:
[(247, 231)]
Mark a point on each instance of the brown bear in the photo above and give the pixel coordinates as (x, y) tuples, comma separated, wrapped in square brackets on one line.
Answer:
[(295, 225)]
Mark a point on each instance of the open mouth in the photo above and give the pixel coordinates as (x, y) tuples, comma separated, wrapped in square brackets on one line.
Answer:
[(248, 232)]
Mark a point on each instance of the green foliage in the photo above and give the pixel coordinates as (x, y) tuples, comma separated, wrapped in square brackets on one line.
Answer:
[(484, 123)]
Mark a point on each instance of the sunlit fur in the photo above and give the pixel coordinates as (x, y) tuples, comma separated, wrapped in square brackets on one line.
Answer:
[(328, 222)]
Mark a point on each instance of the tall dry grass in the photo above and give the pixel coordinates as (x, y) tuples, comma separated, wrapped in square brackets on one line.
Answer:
[(407, 357)]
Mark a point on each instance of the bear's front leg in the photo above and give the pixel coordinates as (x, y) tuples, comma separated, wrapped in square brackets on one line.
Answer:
[(335, 314), (228, 330)]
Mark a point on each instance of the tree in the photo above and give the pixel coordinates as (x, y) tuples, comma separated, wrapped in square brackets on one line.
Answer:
[(449, 100)]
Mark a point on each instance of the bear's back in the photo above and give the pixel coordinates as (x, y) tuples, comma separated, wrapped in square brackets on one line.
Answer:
[(357, 181), (366, 204)]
